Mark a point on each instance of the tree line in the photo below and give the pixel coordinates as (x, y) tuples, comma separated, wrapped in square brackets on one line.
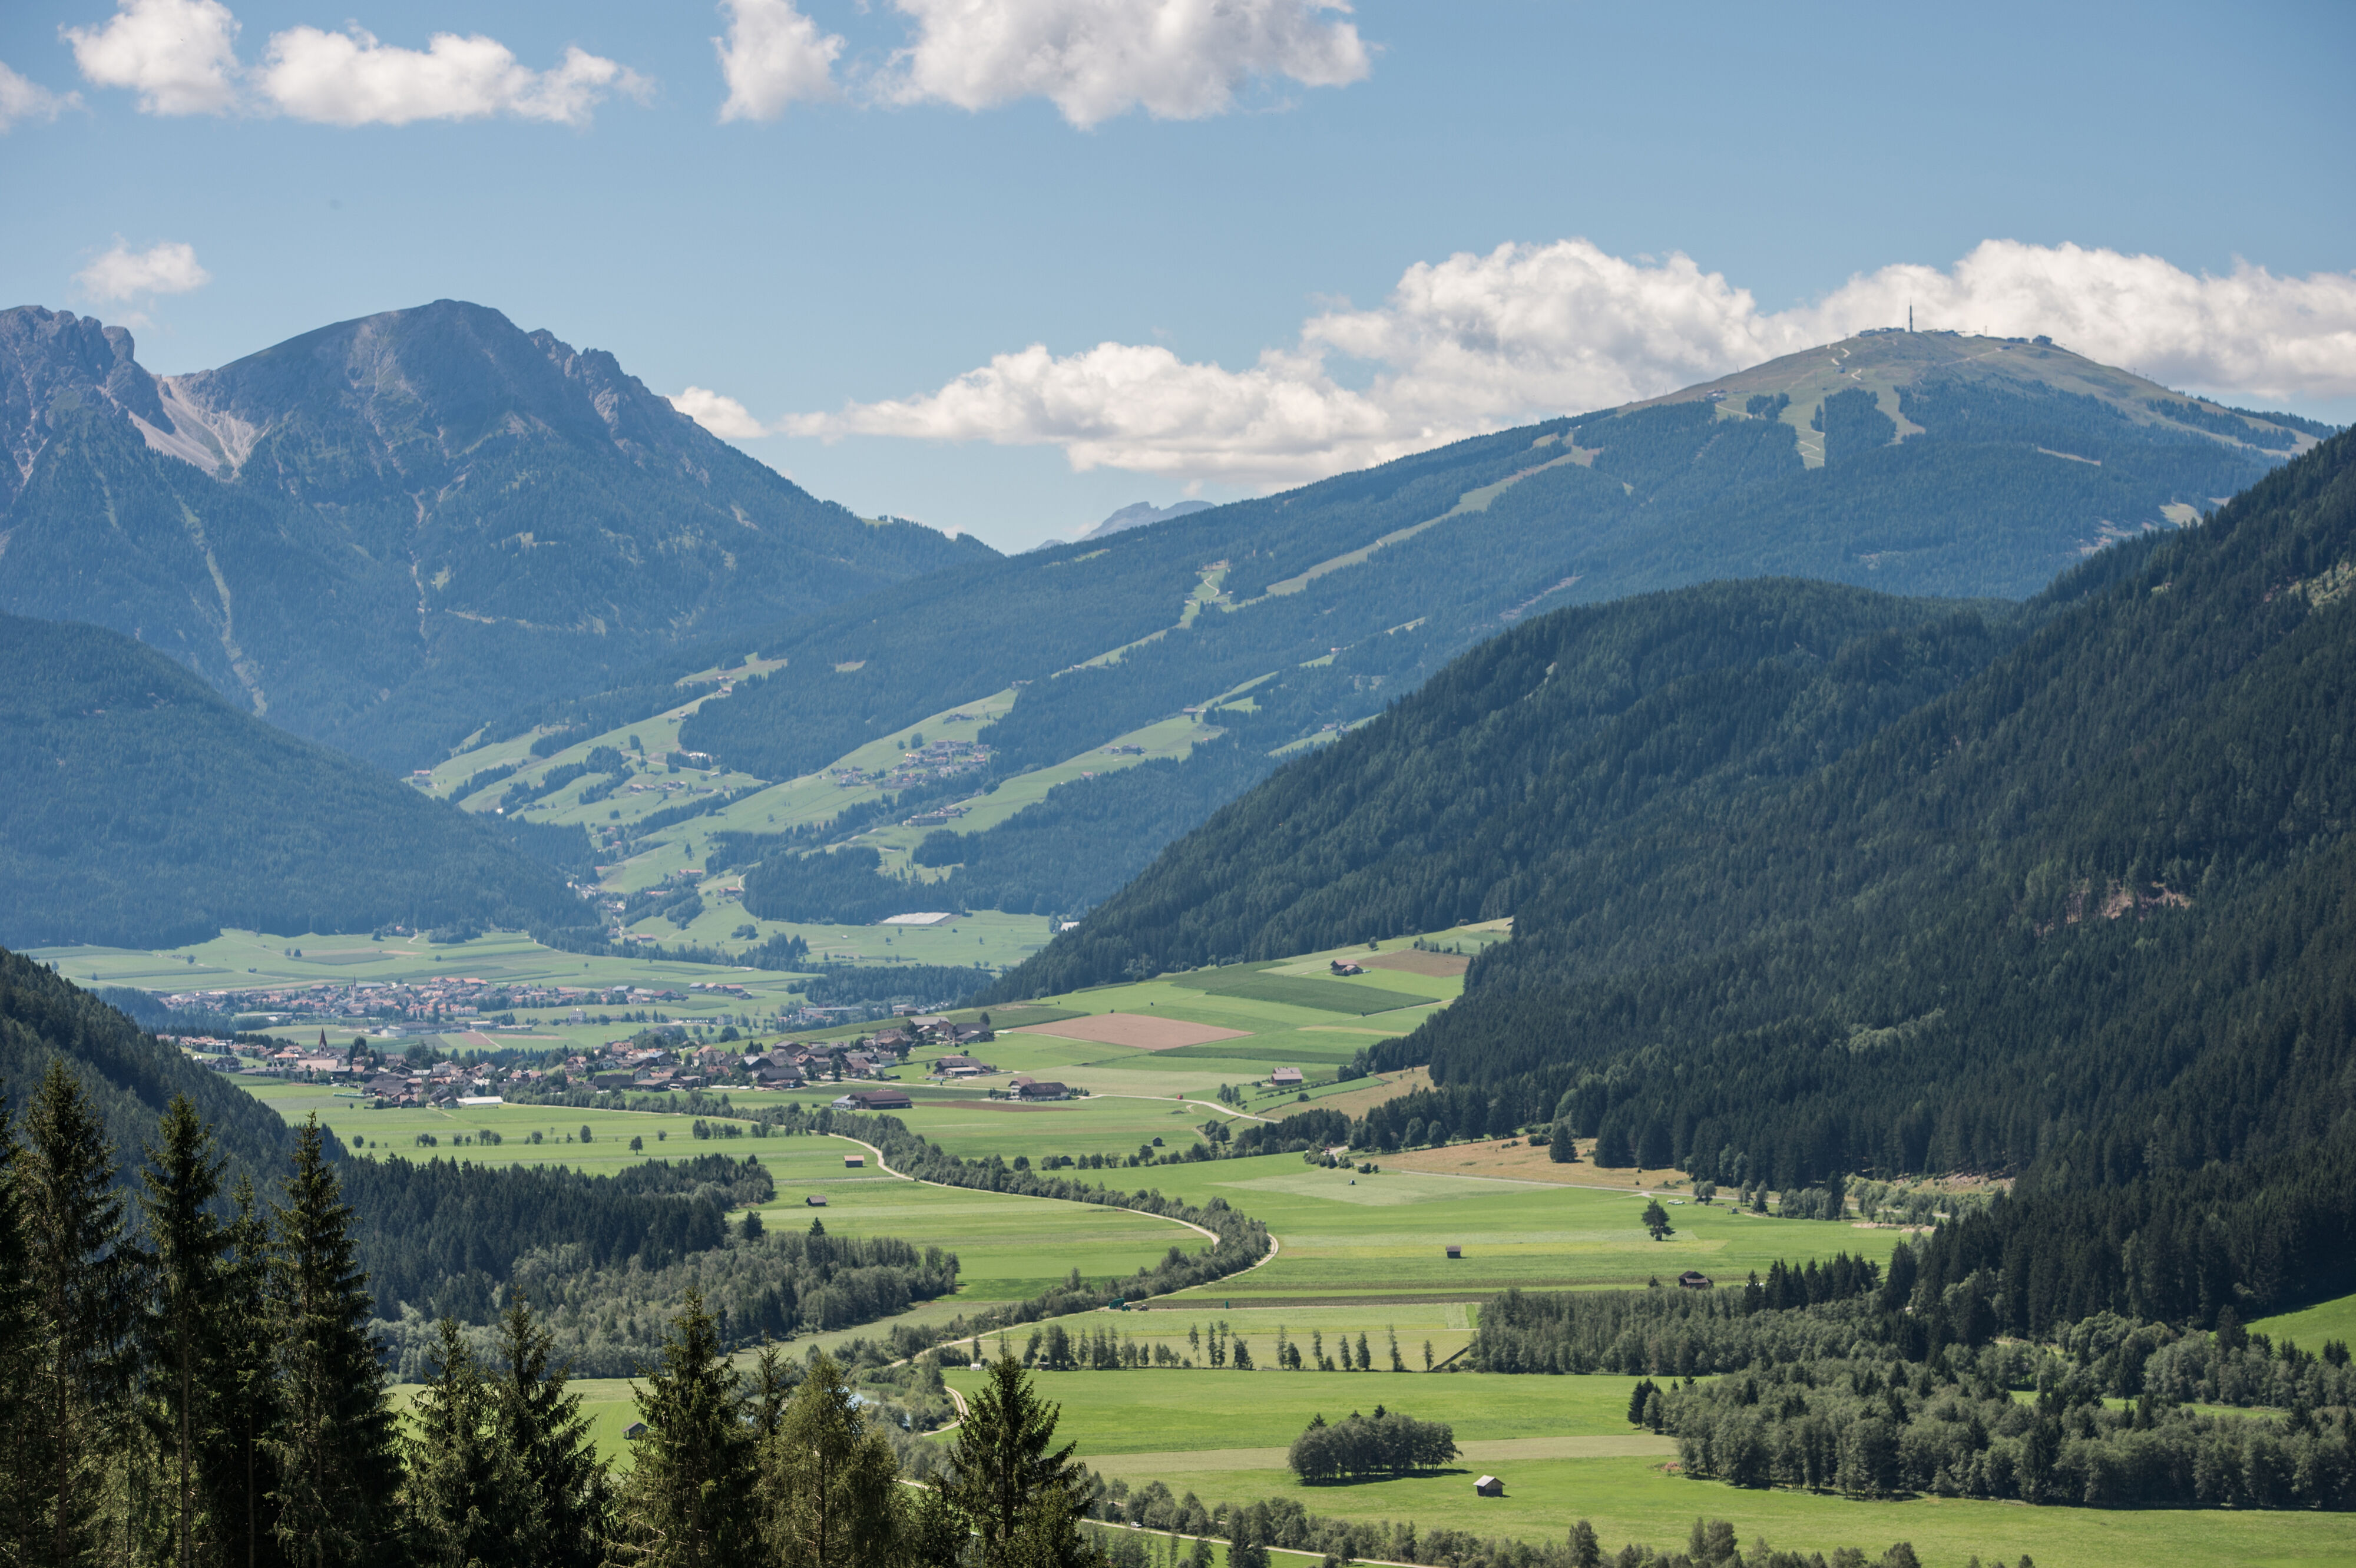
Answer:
[(1387, 1443)]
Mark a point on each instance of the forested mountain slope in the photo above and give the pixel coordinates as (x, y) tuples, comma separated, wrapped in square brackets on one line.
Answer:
[(2088, 913), (139, 809), (129, 1076), (382, 533), (1921, 464)]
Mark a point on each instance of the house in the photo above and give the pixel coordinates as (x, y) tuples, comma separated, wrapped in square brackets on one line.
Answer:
[(610, 1080), (1039, 1090), (1454, 1251), (1694, 1279), (1488, 1486), (1344, 966), (959, 1065), (1285, 1078), (873, 1100)]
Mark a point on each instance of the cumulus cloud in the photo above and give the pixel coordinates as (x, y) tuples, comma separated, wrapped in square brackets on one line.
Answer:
[(774, 56), (125, 273), (1177, 59), (351, 79), (720, 414), (1480, 342), (21, 100), (179, 56)]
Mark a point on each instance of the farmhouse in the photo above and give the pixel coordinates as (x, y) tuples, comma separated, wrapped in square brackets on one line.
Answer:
[(1344, 966), (1694, 1279), (1285, 1078), (1037, 1089), (873, 1100)]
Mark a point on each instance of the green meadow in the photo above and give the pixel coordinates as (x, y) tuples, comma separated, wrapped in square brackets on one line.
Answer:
[(1351, 1237), (1564, 1451), (2313, 1326)]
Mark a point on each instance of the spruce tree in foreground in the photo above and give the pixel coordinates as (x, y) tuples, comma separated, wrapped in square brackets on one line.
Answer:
[(241, 1474), (79, 1271), (1020, 1495), (15, 1338), (461, 1490), (565, 1499), (828, 1481), (334, 1441), (690, 1502), (181, 1330)]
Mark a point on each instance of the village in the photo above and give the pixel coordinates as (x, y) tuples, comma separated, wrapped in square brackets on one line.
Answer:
[(655, 1060)]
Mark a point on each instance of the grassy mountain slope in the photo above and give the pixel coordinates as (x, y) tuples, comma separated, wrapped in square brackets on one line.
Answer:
[(382, 533), (1910, 463), (2086, 912), (140, 808)]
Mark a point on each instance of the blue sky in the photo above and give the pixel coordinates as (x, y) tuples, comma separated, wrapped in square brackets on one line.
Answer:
[(1251, 244)]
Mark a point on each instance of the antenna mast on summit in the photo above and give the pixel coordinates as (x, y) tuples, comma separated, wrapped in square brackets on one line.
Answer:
[(1909, 316)]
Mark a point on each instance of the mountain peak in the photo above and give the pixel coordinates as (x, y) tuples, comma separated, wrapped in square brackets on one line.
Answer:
[(1138, 514)]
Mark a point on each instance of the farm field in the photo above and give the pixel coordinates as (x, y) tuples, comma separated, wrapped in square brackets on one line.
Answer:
[(1564, 1451), (1382, 1237), (1009, 1247)]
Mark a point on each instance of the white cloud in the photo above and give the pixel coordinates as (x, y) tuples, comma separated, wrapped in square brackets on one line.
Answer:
[(1481, 342), (1177, 59), (21, 100), (179, 56), (772, 57), (351, 79), (125, 273), (721, 415)]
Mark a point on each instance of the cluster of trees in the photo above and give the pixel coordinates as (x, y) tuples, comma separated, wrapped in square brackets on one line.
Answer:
[(1679, 1333), (608, 1320), (142, 811), (1868, 1429), (926, 984), (443, 1235), (1386, 1442)]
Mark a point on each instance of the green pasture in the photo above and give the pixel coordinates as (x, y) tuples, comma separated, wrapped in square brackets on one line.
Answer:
[(1346, 1236), (1636, 1498), (1445, 1325), (976, 1128), (1008, 1248), (1174, 1411), (2312, 1327)]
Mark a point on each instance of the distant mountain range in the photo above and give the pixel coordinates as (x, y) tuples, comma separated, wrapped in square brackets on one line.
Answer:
[(140, 808), (383, 532), (1137, 514), (1910, 463), (429, 531)]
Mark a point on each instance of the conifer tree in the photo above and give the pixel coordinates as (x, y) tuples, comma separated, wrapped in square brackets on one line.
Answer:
[(462, 1496), (334, 1442), (828, 1481), (79, 1269), (565, 1496), (690, 1503), (241, 1475), (1020, 1495), (17, 1337), (182, 1328)]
